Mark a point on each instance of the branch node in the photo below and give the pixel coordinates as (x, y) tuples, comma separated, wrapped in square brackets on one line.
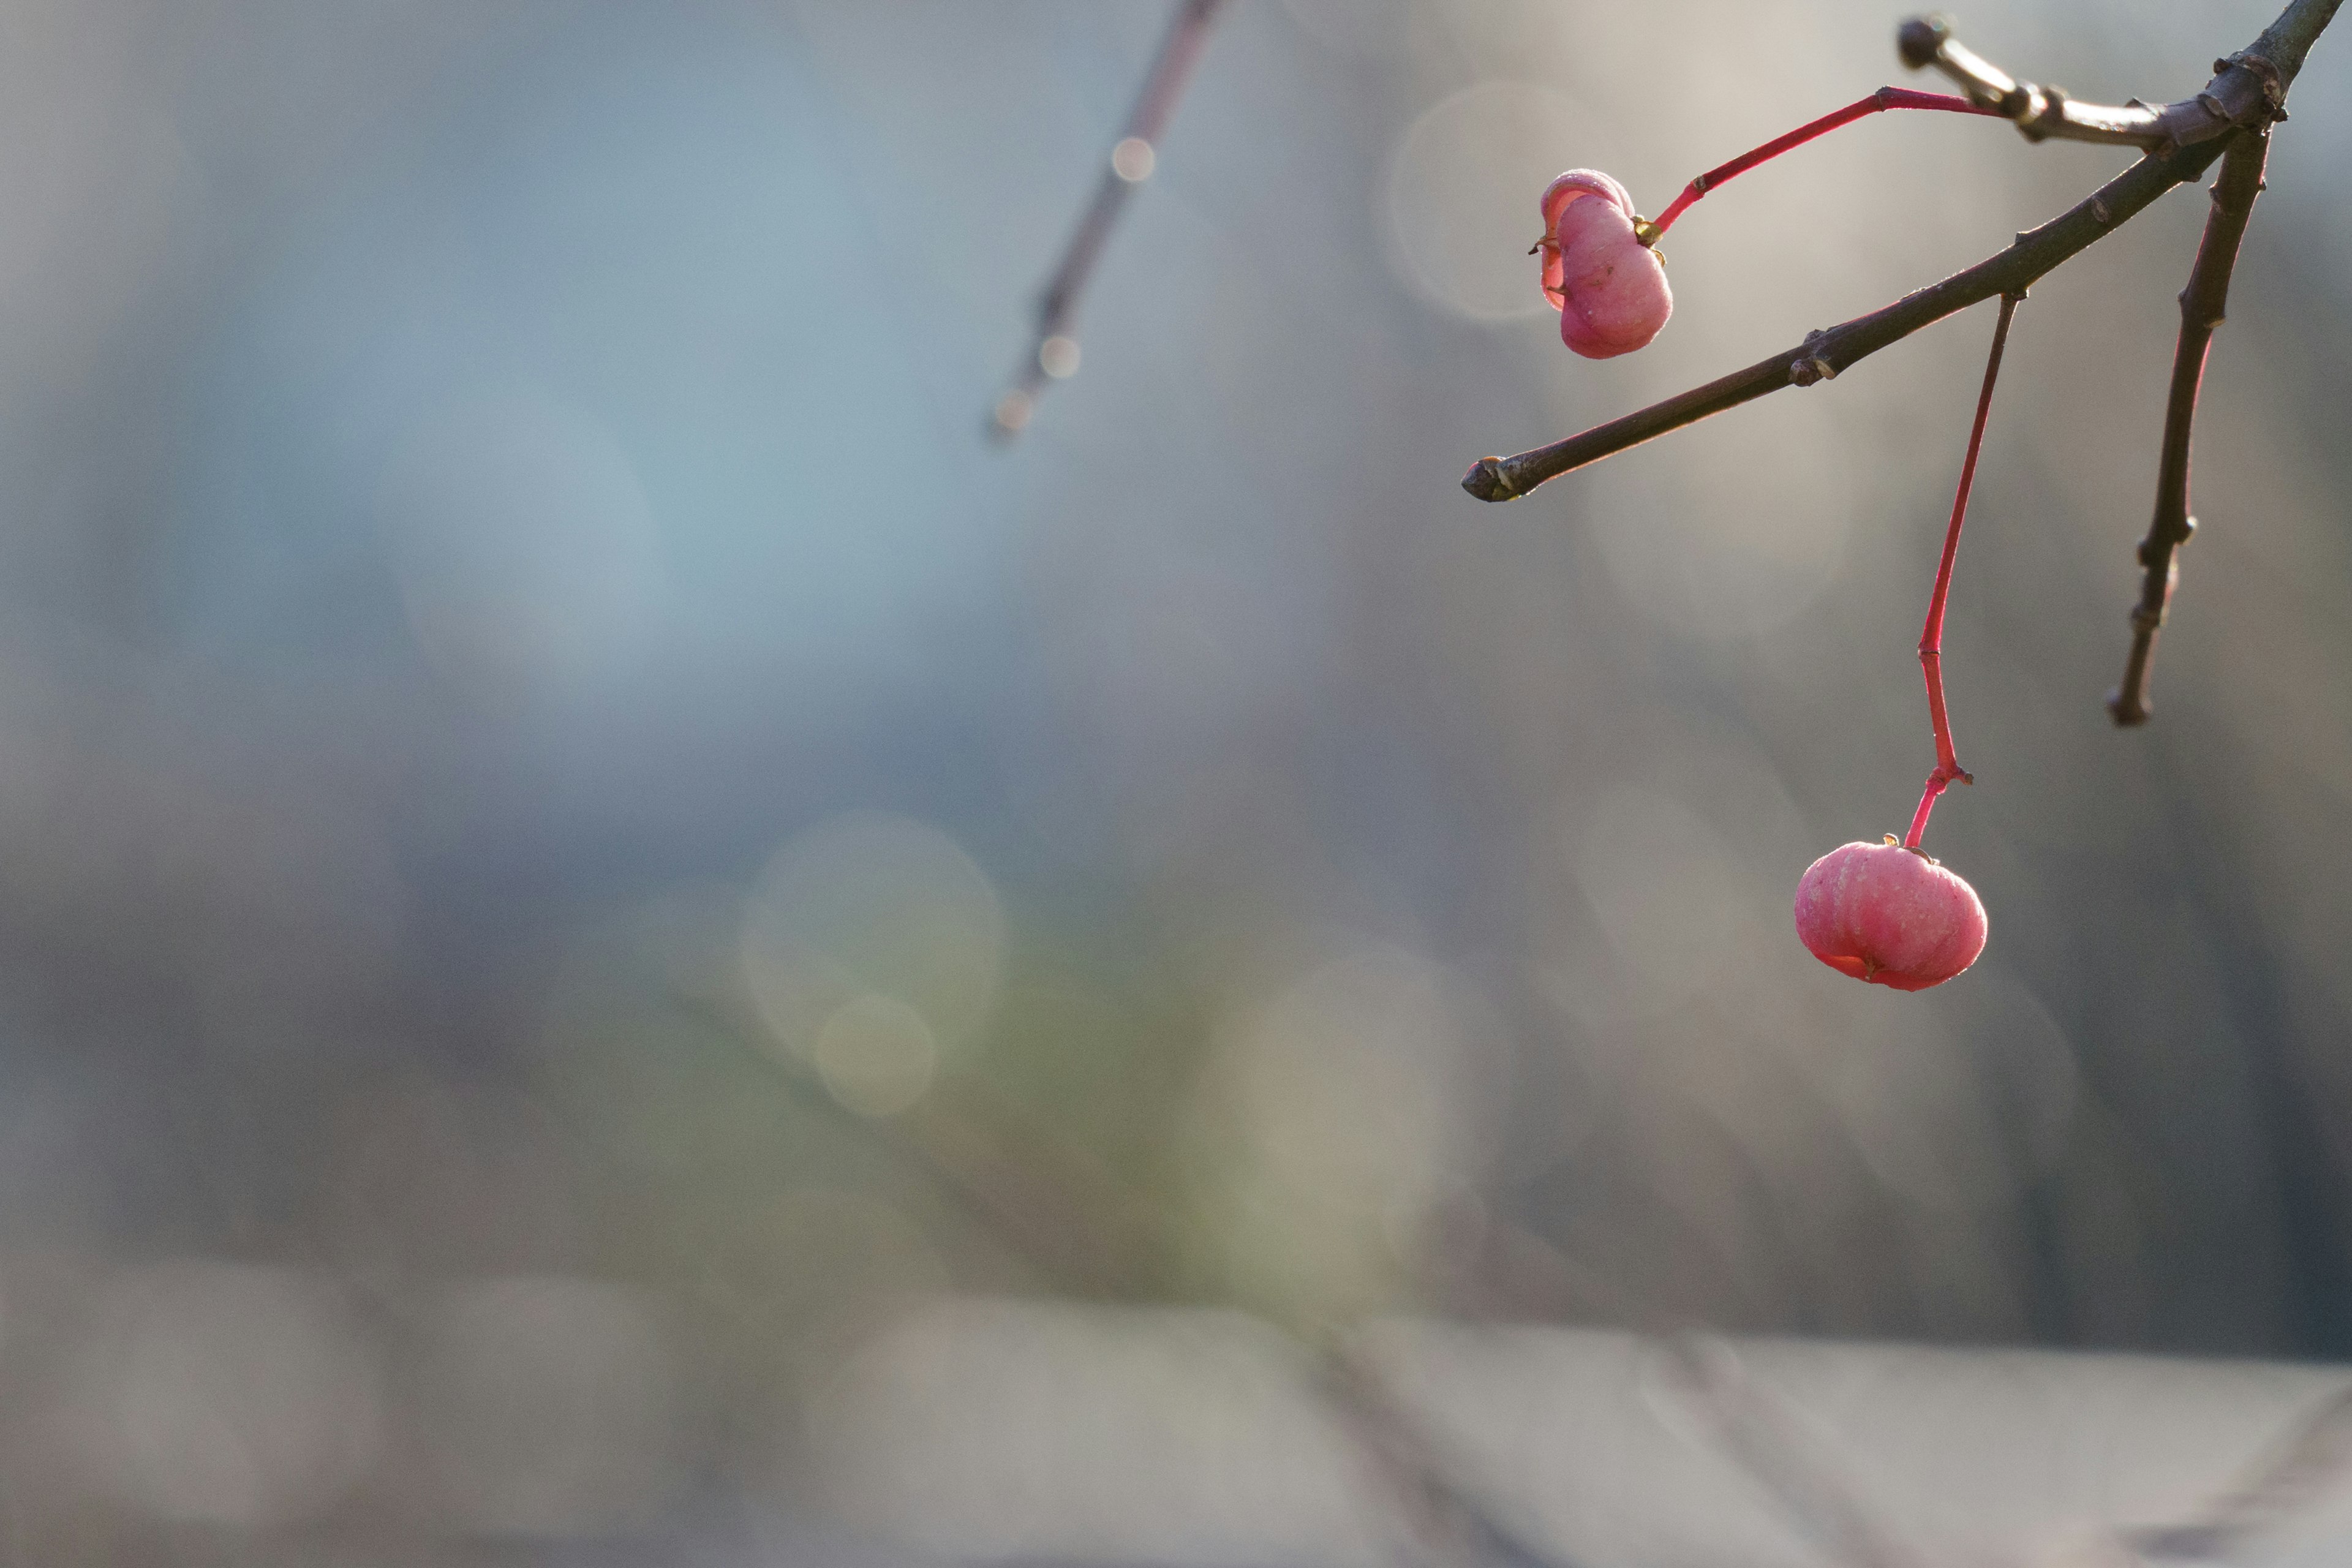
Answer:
[(1808, 369), (2273, 84), (2046, 115)]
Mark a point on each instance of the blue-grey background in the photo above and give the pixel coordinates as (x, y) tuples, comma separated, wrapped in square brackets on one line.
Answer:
[(572, 838)]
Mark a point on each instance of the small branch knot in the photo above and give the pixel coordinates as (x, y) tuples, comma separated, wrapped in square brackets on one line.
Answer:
[(2161, 542)]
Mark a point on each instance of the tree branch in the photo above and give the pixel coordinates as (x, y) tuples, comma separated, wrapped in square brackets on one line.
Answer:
[(2286, 41), (1824, 353), (2203, 303), (2244, 88), (2250, 89)]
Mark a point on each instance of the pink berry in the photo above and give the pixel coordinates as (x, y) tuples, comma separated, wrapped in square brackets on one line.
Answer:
[(1885, 914), (1609, 287)]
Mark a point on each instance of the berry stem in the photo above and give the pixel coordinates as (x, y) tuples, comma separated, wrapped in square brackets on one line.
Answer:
[(1884, 97), (1931, 635)]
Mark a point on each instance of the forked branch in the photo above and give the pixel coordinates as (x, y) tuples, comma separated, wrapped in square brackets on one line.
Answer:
[(1825, 353), (2248, 90)]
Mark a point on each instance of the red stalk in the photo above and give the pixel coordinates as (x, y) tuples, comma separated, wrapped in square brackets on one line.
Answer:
[(1884, 97), (1931, 635)]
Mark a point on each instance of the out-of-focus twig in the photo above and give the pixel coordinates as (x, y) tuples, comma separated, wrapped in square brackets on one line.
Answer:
[(1054, 352), (1791, 1462), (1084, 1233), (2203, 303), (2303, 1466), (1452, 1525)]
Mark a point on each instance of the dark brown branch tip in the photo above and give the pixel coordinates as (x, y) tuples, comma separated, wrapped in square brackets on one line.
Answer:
[(1490, 480), (1918, 41)]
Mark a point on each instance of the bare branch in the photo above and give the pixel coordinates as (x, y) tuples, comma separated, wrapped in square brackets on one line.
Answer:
[(1054, 352), (2250, 90), (2285, 41), (2041, 112), (1825, 353), (1450, 1524), (2203, 303)]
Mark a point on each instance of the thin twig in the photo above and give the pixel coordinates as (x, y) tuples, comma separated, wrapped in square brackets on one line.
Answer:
[(2039, 113), (2244, 88), (1823, 355), (1054, 352), (1931, 635), (1885, 97), (2203, 303)]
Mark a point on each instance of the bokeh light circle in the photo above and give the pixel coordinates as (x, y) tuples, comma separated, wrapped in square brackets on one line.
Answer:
[(872, 945), (1461, 190)]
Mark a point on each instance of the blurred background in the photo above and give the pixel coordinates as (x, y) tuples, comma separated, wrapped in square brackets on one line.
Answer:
[(626, 944)]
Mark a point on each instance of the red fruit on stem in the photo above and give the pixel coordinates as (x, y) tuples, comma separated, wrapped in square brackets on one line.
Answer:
[(1609, 287), (1889, 915)]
